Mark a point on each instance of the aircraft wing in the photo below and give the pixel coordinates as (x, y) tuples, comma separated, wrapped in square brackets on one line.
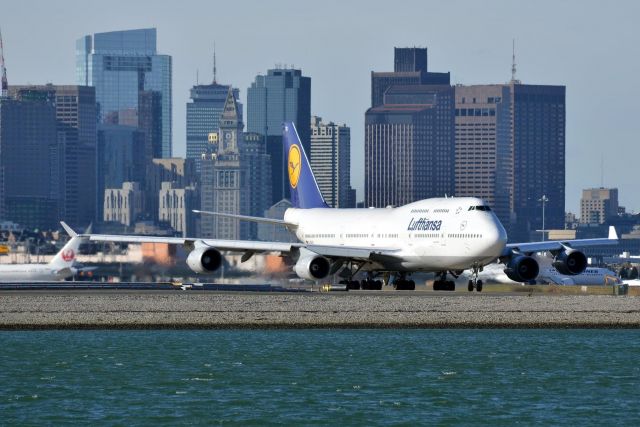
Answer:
[(381, 255), (222, 244), (556, 245)]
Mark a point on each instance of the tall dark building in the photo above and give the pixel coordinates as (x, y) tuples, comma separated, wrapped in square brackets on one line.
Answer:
[(76, 157), (203, 117), (409, 133), (409, 59), (510, 150), (121, 158), (150, 122), (410, 146), (538, 157), (29, 188), (282, 95), (410, 68)]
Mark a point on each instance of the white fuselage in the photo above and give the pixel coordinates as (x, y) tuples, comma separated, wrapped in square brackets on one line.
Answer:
[(28, 273), (437, 234)]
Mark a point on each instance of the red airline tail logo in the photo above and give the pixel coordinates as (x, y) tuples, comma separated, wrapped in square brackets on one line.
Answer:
[(68, 255)]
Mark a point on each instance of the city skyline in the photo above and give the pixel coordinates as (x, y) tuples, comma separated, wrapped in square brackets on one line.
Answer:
[(581, 45)]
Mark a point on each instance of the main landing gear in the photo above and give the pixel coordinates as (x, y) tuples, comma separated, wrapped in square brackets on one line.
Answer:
[(403, 284), (474, 282), (442, 284)]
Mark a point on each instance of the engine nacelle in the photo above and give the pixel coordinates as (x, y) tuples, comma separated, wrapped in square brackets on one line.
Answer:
[(570, 262), (312, 266), (204, 260), (522, 268)]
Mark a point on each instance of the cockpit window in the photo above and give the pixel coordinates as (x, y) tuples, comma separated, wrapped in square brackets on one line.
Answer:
[(479, 208)]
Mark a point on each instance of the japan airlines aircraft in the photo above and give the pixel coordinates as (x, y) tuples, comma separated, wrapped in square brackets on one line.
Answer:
[(441, 235), (60, 267)]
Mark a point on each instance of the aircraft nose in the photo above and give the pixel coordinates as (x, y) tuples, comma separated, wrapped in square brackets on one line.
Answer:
[(496, 237)]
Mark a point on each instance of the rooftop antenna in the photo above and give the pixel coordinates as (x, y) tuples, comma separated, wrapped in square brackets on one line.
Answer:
[(513, 62), (602, 171), (197, 77), (214, 64), (5, 85)]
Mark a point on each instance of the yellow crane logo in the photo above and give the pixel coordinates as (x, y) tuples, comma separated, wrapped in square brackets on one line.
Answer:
[(294, 165)]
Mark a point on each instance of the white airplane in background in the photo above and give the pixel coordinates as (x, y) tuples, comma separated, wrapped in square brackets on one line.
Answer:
[(549, 275), (59, 268), (441, 235)]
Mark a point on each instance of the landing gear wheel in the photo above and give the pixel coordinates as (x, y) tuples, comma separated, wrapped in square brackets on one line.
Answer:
[(411, 285), (470, 286), (479, 286), (451, 285)]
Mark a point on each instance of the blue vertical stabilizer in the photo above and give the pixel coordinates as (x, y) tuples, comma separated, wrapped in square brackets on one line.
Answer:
[(305, 193)]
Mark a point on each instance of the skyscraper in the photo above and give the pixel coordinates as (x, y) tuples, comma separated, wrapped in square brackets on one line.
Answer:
[(76, 157), (282, 95), (410, 146), (203, 116), (409, 133), (510, 150), (331, 162), (409, 68), (484, 149), (538, 157), (121, 159), (222, 188), (29, 188), (256, 167), (597, 205), (120, 65)]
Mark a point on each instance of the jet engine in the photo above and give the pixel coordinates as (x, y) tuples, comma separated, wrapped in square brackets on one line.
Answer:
[(204, 260), (522, 268), (570, 262), (312, 266)]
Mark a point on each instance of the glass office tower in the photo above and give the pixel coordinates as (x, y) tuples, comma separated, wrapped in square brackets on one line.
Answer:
[(282, 95), (120, 65)]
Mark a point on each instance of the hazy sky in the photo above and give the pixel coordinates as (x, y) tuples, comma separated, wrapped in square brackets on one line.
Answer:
[(592, 47)]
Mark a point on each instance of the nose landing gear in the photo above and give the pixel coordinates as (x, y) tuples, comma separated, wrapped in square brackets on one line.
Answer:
[(474, 282)]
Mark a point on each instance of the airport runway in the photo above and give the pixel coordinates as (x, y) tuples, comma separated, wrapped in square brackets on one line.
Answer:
[(139, 309)]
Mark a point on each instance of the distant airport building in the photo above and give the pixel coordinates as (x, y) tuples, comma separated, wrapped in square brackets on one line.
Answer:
[(331, 162), (76, 154), (597, 205), (123, 205), (283, 94), (121, 65), (29, 166)]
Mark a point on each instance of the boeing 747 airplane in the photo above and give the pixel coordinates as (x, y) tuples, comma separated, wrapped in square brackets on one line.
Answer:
[(60, 267), (442, 235)]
